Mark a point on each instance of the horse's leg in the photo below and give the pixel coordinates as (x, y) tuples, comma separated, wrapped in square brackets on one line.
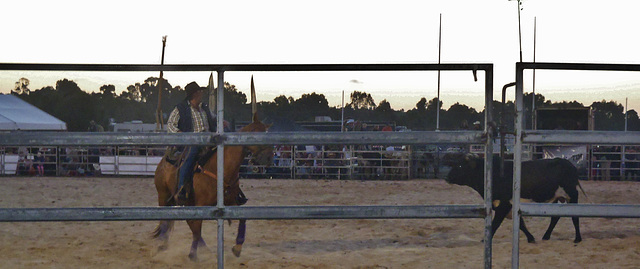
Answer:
[(196, 230), (162, 232), (164, 228), (242, 228)]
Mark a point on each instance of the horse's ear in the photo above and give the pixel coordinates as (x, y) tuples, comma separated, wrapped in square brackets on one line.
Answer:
[(254, 106)]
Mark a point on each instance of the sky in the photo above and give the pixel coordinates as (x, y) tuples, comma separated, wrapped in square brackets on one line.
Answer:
[(310, 32)]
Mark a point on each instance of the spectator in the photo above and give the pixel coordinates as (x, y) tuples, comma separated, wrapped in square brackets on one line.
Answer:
[(94, 127), (39, 163)]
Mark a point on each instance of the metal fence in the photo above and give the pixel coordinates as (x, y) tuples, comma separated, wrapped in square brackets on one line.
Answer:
[(564, 137), (221, 212)]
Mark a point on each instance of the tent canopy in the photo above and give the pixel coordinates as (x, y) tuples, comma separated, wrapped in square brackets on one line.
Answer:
[(16, 114)]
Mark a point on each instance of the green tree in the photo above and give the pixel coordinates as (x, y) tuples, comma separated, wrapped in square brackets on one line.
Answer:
[(361, 100), (21, 86), (310, 105), (608, 116), (384, 112), (459, 116), (108, 90)]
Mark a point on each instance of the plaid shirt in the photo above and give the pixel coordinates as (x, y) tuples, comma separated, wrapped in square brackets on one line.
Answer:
[(198, 116)]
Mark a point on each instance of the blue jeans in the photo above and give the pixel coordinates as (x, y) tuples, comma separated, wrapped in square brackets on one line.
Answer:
[(186, 170)]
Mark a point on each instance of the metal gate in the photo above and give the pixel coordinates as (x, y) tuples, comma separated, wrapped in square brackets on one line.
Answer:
[(563, 137), (221, 212)]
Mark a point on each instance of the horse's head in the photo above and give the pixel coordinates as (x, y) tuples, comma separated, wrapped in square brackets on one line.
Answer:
[(261, 155)]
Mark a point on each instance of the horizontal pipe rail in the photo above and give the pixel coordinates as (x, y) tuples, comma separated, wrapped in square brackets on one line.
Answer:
[(581, 137), (243, 67), (235, 212), (360, 138), (235, 138), (105, 139), (577, 66), (581, 210)]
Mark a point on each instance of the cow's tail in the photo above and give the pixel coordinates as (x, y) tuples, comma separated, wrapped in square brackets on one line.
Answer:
[(584, 193)]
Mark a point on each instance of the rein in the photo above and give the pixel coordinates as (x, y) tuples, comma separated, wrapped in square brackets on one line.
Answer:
[(214, 176)]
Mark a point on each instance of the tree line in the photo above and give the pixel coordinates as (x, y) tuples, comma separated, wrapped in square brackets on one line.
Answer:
[(67, 102)]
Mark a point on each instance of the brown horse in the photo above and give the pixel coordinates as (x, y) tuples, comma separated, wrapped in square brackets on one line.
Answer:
[(205, 186)]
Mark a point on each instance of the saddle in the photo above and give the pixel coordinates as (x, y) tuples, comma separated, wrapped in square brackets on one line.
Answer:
[(175, 156)]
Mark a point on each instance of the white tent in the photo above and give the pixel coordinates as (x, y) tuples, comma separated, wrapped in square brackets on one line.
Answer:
[(16, 114)]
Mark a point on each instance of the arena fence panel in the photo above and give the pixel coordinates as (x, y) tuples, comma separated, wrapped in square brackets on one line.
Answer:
[(563, 137), (221, 139)]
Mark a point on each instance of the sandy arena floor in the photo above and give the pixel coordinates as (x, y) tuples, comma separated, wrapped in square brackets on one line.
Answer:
[(431, 243)]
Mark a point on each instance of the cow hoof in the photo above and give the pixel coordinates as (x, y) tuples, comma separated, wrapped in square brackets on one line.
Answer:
[(193, 257), (546, 237), (531, 240), (236, 250), (578, 240)]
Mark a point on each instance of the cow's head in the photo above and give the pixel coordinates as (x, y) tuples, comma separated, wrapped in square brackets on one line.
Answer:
[(466, 169)]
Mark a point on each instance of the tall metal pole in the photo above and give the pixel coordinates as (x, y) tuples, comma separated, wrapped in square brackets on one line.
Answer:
[(533, 100), (626, 112), (439, 55), (520, 29), (342, 124), (159, 120)]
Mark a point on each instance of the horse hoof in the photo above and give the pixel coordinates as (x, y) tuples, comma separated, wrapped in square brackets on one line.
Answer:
[(236, 250)]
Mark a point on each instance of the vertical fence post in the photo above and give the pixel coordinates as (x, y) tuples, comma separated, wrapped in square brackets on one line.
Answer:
[(220, 166), (517, 168), (488, 166)]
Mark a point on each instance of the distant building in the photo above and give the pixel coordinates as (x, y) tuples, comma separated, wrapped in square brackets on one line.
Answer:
[(135, 126), (18, 115)]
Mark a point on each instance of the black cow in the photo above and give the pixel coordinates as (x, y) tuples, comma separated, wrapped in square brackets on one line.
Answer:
[(540, 181)]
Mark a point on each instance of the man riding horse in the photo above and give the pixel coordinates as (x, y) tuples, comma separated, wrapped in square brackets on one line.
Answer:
[(190, 115), (200, 186)]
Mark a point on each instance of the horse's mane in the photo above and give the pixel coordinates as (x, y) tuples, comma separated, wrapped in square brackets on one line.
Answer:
[(255, 126)]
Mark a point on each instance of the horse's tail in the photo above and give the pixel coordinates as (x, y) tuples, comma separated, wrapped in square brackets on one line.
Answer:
[(162, 229)]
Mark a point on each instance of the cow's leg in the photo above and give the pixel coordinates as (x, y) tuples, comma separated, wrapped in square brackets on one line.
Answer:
[(242, 228), (196, 230), (552, 225), (501, 212), (526, 232), (573, 199), (576, 220)]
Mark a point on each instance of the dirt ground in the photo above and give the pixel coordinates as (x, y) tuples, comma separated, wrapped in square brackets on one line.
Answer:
[(429, 243)]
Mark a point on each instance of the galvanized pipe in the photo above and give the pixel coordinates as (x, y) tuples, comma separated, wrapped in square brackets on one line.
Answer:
[(220, 167)]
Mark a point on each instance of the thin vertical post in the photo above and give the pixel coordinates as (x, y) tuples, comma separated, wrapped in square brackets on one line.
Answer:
[(439, 55), (626, 112), (519, 29), (220, 167), (533, 100), (488, 166), (159, 119), (342, 124), (517, 168)]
